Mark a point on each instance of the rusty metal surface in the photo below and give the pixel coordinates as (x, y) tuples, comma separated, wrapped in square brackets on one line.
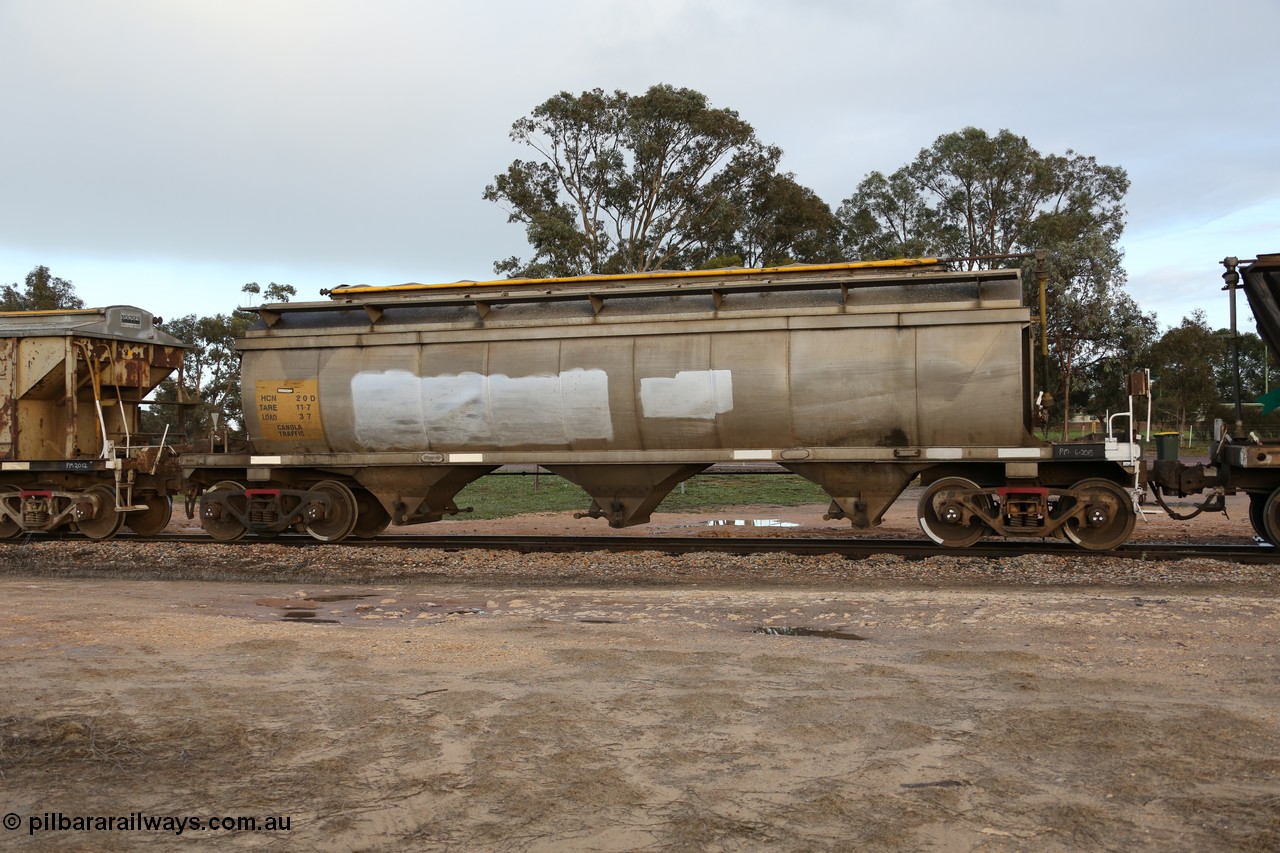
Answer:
[(48, 386), (71, 381), (8, 396)]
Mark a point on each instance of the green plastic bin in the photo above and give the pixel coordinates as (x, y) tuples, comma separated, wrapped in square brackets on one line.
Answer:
[(1167, 446)]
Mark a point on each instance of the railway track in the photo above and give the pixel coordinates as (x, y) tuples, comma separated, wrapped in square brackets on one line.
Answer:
[(849, 548)]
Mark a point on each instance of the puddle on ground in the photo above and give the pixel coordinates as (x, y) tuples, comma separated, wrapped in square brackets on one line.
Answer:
[(786, 631), (307, 609), (941, 783), (751, 522), (310, 616), (352, 606)]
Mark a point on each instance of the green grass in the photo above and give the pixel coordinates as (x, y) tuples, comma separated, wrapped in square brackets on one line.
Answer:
[(501, 495)]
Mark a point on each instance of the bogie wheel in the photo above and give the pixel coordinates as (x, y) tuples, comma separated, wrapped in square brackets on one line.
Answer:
[(226, 528), (371, 517), (1269, 529), (1109, 516), (939, 518), (1258, 514), (154, 518), (106, 522), (340, 519), (8, 527)]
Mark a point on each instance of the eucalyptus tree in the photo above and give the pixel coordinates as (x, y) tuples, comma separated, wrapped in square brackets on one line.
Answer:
[(42, 291), (771, 221), (662, 180), (1256, 377), (1184, 362)]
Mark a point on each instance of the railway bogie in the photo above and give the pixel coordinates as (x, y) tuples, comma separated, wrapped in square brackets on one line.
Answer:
[(327, 507), (1096, 513)]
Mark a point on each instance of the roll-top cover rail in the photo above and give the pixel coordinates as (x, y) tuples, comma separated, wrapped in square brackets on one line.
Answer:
[(597, 290)]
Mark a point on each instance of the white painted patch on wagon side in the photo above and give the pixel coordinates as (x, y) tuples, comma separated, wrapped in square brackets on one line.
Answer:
[(700, 394), (1018, 453), (399, 410)]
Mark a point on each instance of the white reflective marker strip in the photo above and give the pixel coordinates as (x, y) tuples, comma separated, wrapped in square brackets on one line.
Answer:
[(1018, 453), (943, 453), (266, 460), (15, 466), (466, 457), (753, 454)]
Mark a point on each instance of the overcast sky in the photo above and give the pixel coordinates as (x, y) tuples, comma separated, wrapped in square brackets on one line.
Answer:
[(164, 152)]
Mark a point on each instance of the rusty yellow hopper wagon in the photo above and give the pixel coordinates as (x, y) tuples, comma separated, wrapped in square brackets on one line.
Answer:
[(71, 456)]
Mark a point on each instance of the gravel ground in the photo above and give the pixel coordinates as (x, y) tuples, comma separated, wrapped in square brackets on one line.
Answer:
[(335, 564)]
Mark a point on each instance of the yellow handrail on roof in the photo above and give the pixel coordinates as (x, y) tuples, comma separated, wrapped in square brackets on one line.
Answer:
[(50, 312), (344, 290)]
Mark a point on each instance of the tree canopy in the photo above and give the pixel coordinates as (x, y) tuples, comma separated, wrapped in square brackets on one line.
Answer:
[(629, 183), (1183, 363), (42, 292), (973, 196), (1255, 374)]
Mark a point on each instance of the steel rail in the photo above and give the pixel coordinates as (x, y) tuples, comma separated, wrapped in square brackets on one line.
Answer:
[(846, 547)]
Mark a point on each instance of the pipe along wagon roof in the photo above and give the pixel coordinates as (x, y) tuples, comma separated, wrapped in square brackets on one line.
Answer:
[(345, 290)]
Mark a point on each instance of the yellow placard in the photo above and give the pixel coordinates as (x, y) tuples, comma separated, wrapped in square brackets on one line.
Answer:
[(289, 410)]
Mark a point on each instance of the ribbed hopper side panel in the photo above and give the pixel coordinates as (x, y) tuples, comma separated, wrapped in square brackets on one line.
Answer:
[(776, 376)]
